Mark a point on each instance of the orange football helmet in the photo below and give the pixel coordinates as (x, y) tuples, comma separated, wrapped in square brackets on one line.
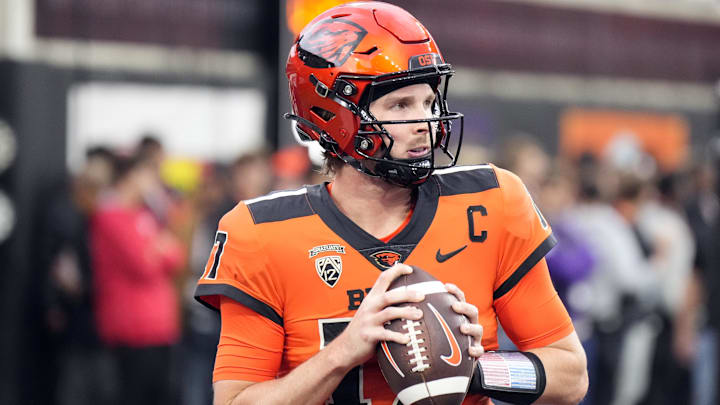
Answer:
[(349, 56)]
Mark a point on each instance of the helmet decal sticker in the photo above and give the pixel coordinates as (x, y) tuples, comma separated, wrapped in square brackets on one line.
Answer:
[(425, 60), (332, 41)]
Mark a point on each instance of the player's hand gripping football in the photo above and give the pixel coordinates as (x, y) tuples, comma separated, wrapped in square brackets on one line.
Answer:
[(360, 338), (473, 329)]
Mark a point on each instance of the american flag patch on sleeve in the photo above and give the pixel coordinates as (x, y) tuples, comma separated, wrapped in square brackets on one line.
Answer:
[(507, 370)]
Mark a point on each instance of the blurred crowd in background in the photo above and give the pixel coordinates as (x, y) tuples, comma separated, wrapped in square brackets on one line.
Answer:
[(124, 242), (609, 111)]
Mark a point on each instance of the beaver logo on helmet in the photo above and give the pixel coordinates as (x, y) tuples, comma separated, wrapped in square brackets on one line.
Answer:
[(331, 41)]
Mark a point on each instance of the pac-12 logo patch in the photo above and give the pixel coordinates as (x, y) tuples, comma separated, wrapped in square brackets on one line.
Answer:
[(329, 269), (332, 41), (386, 258)]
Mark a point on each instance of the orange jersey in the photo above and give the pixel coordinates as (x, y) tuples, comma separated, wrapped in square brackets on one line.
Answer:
[(300, 269)]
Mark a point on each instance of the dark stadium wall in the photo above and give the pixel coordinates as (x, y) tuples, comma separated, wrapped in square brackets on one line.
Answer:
[(33, 102), (509, 35), (7, 314)]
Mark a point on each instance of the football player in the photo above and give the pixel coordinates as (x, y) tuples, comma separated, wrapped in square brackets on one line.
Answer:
[(300, 277)]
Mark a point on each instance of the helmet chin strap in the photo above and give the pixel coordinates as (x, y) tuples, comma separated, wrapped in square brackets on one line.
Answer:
[(417, 171), (400, 172), (403, 172)]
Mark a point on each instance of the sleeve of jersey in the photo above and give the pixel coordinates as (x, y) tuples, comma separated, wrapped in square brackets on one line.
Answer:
[(250, 347), (238, 268), (526, 236), (532, 314)]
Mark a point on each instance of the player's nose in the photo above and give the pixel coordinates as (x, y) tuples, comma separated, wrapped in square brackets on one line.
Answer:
[(422, 128)]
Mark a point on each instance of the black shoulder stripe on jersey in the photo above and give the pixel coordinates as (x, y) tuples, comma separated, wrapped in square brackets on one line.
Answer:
[(279, 208), (240, 296), (467, 181), (525, 267)]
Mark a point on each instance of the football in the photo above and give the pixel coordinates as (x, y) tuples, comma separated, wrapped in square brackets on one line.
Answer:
[(434, 367)]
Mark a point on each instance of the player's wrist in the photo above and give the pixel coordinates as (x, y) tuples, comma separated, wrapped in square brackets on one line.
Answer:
[(341, 354), (509, 376)]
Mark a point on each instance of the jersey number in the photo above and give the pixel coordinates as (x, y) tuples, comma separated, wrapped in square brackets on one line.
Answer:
[(349, 391), (218, 246)]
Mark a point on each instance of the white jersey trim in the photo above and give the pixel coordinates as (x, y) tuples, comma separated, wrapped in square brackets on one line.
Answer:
[(276, 195), (461, 169)]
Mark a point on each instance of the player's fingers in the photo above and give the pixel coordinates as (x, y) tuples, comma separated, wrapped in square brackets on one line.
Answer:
[(387, 277), (476, 332), (405, 312), (476, 350), (472, 329), (398, 295), (391, 336), (455, 290), (467, 309)]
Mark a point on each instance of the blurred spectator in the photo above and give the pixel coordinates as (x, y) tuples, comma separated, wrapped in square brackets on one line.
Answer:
[(641, 324), (134, 260), (571, 261), (291, 167), (661, 222), (65, 255), (474, 154), (523, 155), (703, 292), (202, 327), (250, 176), (150, 151), (621, 283)]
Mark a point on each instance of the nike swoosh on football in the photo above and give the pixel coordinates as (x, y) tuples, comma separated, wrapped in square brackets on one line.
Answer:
[(441, 257), (455, 357)]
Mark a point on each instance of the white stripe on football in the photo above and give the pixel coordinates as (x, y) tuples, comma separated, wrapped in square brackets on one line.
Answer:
[(449, 385), (427, 287)]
